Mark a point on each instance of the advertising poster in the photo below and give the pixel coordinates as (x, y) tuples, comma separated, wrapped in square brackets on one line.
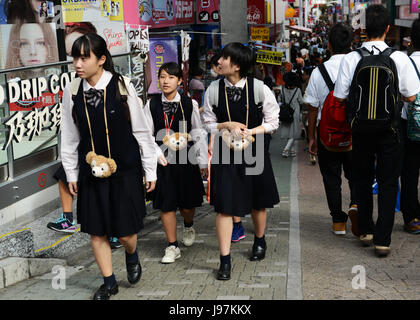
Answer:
[(256, 11), (157, 13), (207, 11), (11, 11), (97, 10), (29, 44), (414, 6), (185, 12), (161, 51), (112, 31)]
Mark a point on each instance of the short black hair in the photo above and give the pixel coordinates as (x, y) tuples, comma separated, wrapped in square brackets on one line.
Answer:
[(377, 20), (240, 55), (171, 68), (215, 59), (340, 37), (415, 34)]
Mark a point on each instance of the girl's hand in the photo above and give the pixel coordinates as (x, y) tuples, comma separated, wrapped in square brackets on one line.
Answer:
[(204, 173), (150, 186), (73, 188), (162, 160)]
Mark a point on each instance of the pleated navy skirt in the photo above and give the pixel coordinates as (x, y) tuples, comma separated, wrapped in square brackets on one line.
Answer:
[(234, 192), (178, 186), (60, 174), (113, 206)]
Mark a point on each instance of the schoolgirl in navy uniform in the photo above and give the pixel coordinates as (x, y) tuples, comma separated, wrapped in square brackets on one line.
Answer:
[(179, 184), (112, 206), (233, 192)]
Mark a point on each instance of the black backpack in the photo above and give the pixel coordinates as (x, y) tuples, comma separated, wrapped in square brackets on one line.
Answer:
[(374, 103), (286, 111)]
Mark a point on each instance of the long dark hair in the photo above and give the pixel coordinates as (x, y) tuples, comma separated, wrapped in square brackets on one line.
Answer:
[(95, 43)]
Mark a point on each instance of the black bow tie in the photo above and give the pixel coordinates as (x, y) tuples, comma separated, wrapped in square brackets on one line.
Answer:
[(94, 97), (169, 107), (234, 93)]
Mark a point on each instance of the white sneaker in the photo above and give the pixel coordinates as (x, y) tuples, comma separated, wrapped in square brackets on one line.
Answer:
[(188, 236), (171, 254)]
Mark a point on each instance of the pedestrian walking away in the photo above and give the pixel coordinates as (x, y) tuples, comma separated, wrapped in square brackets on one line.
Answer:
[(374, 110), (332, 161)]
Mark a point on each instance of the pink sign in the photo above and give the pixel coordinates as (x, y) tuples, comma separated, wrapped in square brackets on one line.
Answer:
[(157, 13), (131, 12), (414, 6), (208, 11)]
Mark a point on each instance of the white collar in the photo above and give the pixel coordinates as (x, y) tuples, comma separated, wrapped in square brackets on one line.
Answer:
[(102, 82), (379, 44), (415, 54), (176, 99), (337, 57), (239, 84)]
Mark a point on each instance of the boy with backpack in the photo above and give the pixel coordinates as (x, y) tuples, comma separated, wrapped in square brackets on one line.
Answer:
[(410, 124), (374, 79), (322, 107)]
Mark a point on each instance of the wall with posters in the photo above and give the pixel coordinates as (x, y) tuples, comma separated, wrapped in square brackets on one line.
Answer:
[(161, 51)]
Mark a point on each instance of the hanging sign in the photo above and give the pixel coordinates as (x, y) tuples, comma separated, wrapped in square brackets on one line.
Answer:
[(269, 57), (260, 34)]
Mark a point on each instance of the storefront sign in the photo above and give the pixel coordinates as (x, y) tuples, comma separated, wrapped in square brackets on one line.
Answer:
[(269, 57), (138, 40), (414, 6), (161, 51), (93, 10), (35, 106), (207, 11), (184, 12), (256, 11), (260, 34)]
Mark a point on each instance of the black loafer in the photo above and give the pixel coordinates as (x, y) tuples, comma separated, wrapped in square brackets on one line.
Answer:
[(224, 272), (105, 293), (134, 273), (258, 253)]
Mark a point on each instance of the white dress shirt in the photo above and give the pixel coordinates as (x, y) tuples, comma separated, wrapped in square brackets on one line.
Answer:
[(270, 109), (408, 81), (70, 137), (198, 134), (317, 90), (416, 58)]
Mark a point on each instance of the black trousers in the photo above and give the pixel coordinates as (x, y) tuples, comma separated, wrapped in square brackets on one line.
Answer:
[(331, 165), (387, 149), (410, 206)]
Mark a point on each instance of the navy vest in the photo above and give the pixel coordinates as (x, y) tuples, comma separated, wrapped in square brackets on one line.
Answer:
[(124, 146)]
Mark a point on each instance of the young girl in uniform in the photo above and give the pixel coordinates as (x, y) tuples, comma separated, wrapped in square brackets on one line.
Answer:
[(100, 118), (233, 191), (179, 183)]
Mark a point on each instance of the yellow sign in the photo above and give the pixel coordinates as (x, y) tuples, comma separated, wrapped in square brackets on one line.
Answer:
[(260, 33), (269, 57)]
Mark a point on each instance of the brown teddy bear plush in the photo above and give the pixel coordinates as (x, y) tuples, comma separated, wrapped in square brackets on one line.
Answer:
[(237, 144), (102, 167), (177, 140)]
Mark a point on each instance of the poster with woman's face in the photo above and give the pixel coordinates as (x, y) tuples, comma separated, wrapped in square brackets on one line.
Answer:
[(30, 11), (28, 44)]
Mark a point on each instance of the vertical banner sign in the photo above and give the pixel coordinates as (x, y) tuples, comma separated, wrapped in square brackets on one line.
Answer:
[(138, 40), (131, 12), (185, 46), (184, 12), (207, 11), (161, 51), (256, 11), (414, 6)]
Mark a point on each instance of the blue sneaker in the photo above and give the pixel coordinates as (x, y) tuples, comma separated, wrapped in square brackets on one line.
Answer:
[(62, 225), (114, 243), (238, 233)]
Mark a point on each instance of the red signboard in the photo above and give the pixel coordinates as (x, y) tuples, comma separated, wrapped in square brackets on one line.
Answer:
[(208, 11), (46, 100), (184, 12), (256, 11)]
